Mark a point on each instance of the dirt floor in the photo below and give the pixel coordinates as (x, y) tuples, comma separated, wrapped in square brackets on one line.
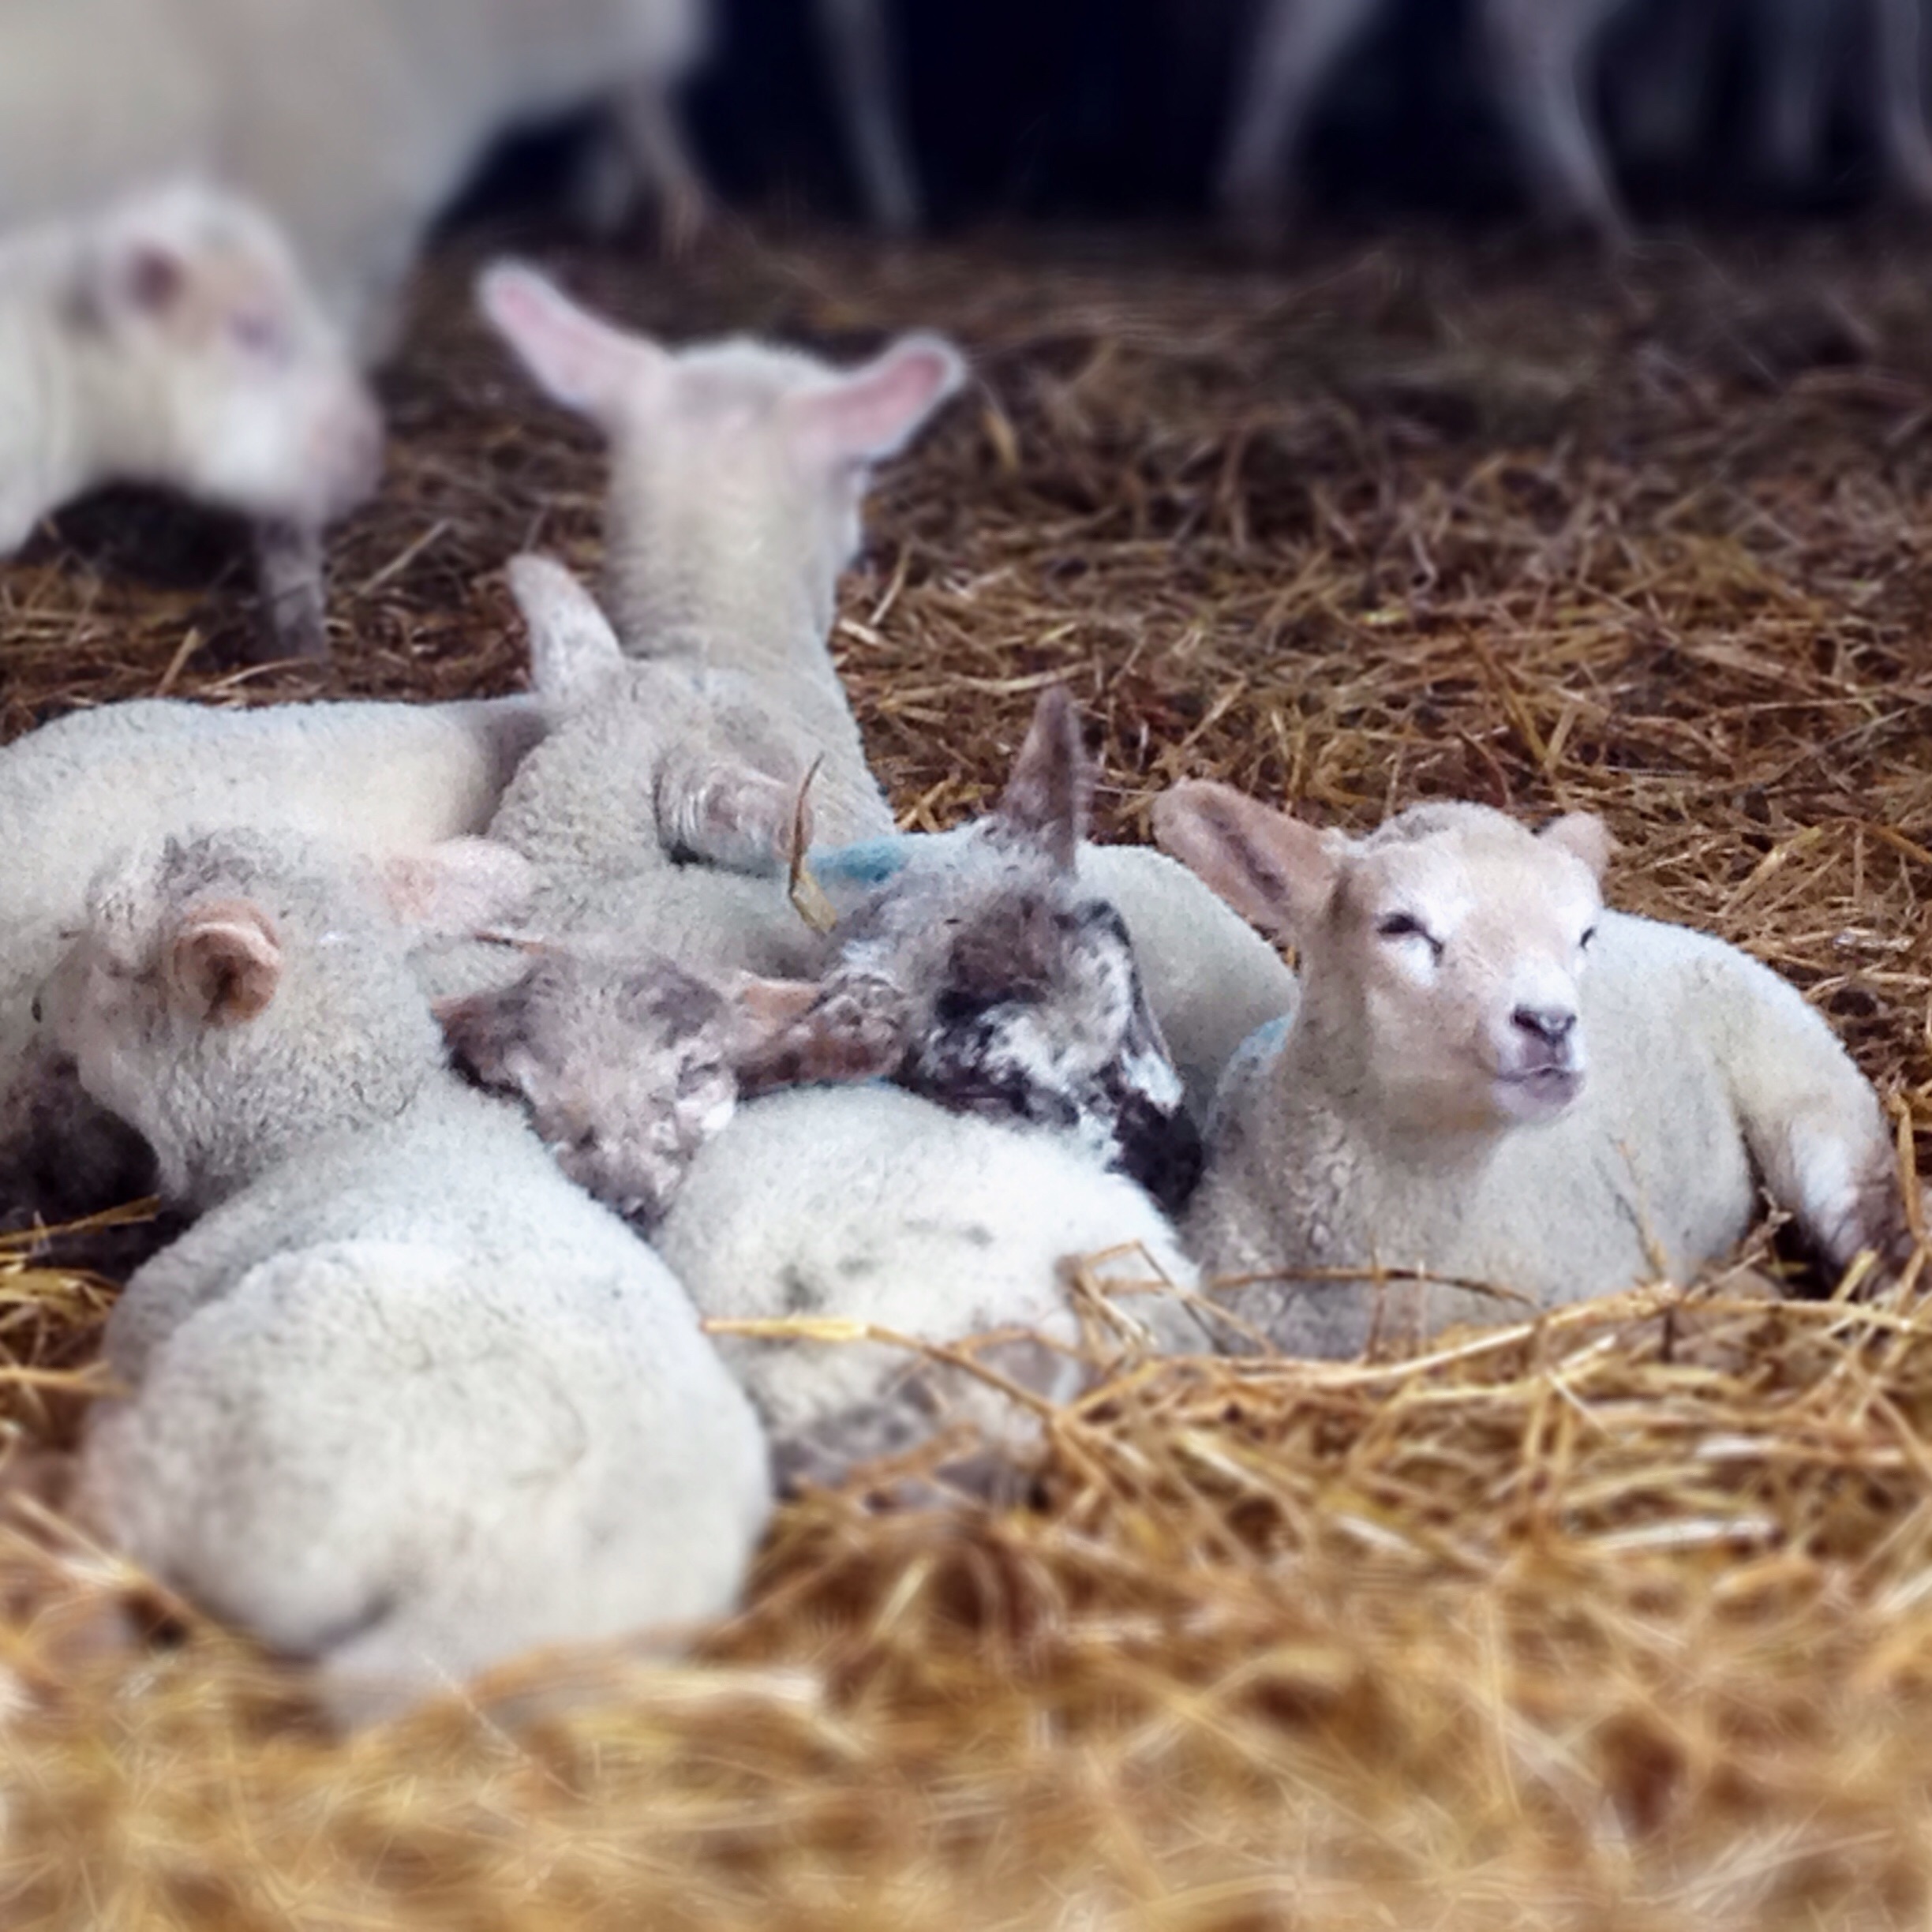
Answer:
[(1625, 1620)]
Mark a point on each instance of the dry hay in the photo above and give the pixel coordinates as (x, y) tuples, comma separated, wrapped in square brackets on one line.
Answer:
[(1621, 1619)]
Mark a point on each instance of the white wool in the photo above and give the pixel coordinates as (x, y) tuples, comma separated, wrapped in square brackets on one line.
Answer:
[(1421, 1111), (355, 121), (403, 1400), (869, 1204), (382, 779), (169, 338)]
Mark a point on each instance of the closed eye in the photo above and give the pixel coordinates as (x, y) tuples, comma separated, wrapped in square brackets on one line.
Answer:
[(1406, 926), (1590, 933)]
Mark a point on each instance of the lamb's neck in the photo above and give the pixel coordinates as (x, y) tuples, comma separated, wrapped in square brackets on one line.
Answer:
[(735, 606), (43, 459), (1346, 1169), (247, 1146)]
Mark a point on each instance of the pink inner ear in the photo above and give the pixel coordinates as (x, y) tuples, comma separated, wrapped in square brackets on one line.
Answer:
[(578, 360), (873, 412), (227, 961)]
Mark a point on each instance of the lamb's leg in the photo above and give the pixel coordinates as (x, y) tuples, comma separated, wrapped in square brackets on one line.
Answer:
[(726, 814), (1899, 85), (1539, 49), (1793, 90), (1812, 1122), (859, 54), (1297, 46), (294, 605)]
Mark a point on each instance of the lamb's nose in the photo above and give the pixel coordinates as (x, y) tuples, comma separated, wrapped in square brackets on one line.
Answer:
[(1550, 1024)]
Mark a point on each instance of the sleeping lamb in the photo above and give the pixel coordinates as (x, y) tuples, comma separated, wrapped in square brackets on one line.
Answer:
[(1494, 1080), (1005, 996), (171, 339), (403, 1401)]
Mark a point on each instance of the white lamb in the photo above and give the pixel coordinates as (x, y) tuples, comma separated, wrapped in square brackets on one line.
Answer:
[(171, 339), (381, 779), (1496, 1081), (738, 474), (1005, 996), (403, 1401)]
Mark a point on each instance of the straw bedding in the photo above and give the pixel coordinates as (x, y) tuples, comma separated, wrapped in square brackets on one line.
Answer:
[(1620, 1620)]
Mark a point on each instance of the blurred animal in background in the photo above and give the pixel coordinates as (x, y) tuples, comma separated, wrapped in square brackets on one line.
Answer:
[(357, 122), (1546, 60), (170, 338)]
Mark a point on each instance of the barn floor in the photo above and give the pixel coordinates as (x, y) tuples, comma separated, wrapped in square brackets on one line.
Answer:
[(1621, 1621)]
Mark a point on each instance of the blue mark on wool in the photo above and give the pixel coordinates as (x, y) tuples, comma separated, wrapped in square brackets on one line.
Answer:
[(869, 862)]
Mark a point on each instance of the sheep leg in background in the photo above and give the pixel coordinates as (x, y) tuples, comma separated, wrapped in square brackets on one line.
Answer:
[(1898, 46), (643, 146), (860, 56), (1660, 88), (1298, 45), (1539, 51), (1794, 89), (289, 569)]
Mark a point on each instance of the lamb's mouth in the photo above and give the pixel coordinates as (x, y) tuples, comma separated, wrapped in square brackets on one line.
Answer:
[(1540, 1092)]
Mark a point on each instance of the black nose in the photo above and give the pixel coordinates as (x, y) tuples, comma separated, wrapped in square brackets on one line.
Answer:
[(1551, 1024)]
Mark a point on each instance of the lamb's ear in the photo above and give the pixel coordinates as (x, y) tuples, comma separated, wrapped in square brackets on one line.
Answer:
[(461, 886), (575, 358), (1584, 836), (789, 1032), (1275, 871), (223, 962), (874, 411), (574, 654), (1047, 798), (482, 1029)]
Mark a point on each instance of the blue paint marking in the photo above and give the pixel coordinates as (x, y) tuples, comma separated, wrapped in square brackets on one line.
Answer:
[(870, 862)]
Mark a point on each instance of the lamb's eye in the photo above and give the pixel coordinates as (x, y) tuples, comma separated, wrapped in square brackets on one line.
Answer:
[(36, 1009), (1406, 926), (1590, 933)]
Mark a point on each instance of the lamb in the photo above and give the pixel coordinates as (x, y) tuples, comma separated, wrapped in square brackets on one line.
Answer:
[(628, 1064), (169, 338), (1032, 1081), (403, 1401), (378, 778), (1494, 1080), (737, 473)]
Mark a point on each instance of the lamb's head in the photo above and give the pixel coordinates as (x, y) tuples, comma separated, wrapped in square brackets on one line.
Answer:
[(1441, 956), (214, 368), (1023, 997), (231, 996), (730, 456), (628, 1064)]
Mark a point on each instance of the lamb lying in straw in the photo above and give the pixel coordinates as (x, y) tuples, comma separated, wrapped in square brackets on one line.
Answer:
[(403, 1401), (1494, 1080)]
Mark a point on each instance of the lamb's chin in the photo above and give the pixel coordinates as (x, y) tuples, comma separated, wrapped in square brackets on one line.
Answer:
[(1541, 1095)]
